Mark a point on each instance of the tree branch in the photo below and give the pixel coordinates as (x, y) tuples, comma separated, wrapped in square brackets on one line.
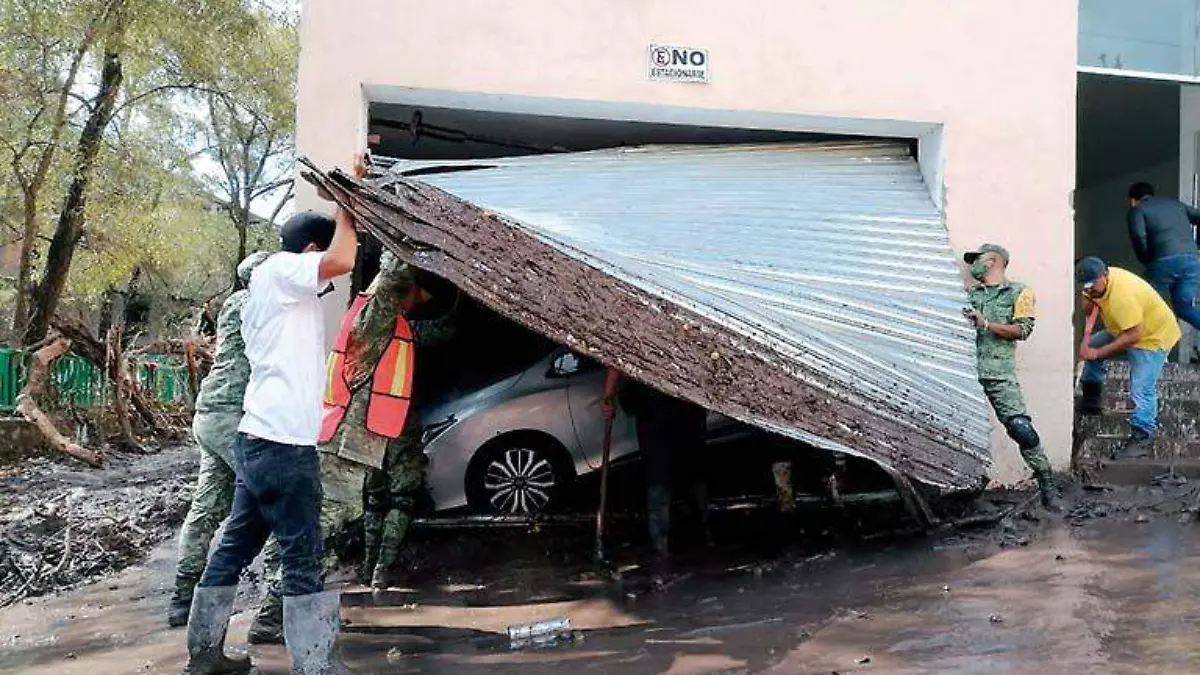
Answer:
[(283, 202), (271, 187), (162, 89), (36, 385)]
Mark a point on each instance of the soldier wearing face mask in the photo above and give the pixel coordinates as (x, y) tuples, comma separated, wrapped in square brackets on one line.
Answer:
[(1003, 313)]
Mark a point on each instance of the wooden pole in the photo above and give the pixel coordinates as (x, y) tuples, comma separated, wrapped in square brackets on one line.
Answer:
[(601, 511)]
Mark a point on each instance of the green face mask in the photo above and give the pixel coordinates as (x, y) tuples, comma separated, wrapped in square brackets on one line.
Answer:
[(979, 269)]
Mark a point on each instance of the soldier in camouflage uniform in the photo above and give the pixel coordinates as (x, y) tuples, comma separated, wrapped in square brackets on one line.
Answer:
[(359, 467), (218, 411), (1003, 313)]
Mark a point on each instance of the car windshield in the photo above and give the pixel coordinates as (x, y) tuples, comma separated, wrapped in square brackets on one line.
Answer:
[(485, 349)]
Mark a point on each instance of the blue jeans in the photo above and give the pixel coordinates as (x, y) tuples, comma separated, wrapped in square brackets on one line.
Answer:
[(1177, 278), (1145, 366), (278, 490)]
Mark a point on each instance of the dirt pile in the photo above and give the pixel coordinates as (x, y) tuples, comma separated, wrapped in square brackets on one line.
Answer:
[(62, 525)]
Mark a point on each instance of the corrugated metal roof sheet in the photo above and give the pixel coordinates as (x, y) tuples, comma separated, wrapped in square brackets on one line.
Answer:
[(833, 254), (830, 257)]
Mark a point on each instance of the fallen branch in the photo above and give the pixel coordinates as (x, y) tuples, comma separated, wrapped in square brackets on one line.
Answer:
[(116, 372), (30, 410), (87, 346)]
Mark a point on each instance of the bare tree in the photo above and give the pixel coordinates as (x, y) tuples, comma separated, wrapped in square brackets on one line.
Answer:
[(255, 154)]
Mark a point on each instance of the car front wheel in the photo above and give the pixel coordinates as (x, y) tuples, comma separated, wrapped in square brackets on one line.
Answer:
[(519, 478)]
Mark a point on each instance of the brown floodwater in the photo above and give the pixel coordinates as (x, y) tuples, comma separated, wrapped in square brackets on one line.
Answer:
[(1110, 596)]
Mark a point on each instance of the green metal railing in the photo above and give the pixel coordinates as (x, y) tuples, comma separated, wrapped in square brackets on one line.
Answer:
[(75, 382)]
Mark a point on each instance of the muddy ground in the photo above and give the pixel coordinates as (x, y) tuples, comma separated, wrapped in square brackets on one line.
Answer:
[(1110, 587), (63, 524)]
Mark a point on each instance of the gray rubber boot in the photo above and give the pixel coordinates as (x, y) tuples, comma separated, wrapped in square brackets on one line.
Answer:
[(310, 628), (209, 620)]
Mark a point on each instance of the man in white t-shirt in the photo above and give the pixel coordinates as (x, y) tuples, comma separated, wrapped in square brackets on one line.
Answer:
[(278, 488)]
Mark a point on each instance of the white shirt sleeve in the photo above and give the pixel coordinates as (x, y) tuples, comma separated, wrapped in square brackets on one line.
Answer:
[(298, 276)]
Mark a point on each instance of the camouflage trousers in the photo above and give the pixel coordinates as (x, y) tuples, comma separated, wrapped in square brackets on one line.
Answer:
[(212, 497), (1009, 403), (389, 496)]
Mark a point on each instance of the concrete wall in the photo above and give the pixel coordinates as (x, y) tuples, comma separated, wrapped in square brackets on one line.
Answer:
[(998, 85)]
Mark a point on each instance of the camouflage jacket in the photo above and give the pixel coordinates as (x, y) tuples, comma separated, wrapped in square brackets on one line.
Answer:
[(1007, 303), (368, 339), (224, 388)]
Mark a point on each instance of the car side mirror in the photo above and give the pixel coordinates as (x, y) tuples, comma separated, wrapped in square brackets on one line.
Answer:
[(565, 366)]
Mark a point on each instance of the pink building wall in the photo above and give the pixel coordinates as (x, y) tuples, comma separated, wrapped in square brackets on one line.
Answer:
[(992, 82)]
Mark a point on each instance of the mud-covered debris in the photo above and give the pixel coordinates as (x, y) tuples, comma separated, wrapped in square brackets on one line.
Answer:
[(86, 525)]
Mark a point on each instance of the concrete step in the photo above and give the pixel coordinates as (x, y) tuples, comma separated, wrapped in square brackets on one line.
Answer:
[(1172, 372), (1120, 404), (1142, 471), (1172, 424), (1100, 448), (1167, 390)]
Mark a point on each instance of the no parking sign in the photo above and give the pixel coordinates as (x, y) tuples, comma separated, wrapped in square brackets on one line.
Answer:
[(669, 63)]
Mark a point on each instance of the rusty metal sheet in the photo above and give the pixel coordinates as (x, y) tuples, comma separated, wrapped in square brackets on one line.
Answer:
[(808, 289)]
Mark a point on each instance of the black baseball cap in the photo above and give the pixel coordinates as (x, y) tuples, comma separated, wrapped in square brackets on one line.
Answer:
[(304, 228), (971, 256), (1089, 270)]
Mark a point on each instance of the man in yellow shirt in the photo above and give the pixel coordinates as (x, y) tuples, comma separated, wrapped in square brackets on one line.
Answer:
[(1138, 324)]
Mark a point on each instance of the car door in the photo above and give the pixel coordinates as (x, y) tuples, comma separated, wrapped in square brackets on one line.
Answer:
[(585, 393)]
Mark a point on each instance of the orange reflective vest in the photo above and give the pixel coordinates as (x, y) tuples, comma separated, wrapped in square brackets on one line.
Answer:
[(391, 381)]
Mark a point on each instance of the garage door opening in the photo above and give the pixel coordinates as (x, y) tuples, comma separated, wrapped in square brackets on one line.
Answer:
[(428, 133), (896, 214)]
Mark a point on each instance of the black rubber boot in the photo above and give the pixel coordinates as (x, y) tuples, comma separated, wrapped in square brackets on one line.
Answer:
[(395, 527), (1049, 493), (211, 608), (1137, 446), (1091, 398), (267, 627), (181, 601)]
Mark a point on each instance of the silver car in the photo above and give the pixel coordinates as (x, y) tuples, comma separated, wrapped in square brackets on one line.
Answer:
[(513, 447)]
